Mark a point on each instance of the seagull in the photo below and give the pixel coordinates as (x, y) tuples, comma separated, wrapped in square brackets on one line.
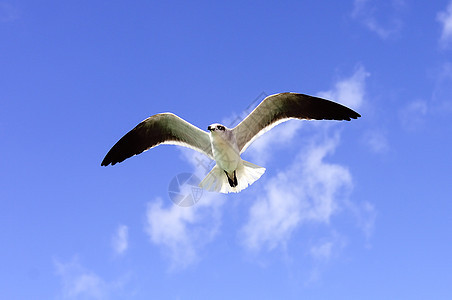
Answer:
[(231, 174)]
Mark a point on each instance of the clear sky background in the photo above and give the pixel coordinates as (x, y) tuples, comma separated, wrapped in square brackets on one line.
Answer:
[(345, 210)]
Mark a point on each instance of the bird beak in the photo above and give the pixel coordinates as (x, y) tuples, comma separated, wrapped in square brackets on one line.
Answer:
[(209, 128)]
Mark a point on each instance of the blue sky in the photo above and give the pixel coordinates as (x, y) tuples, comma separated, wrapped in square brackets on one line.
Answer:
[(345, 210)]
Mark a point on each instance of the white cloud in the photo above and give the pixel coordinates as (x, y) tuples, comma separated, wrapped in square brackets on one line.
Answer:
[(445, 18), (382, 17), (349, 91), (80, 283), (306, 192), (183, 231), (168, 227), (120, 239)]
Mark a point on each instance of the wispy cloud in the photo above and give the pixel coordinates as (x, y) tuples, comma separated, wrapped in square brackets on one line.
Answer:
[(327, 247), (442, 93), (305, 192), (381, 17), (81, 283), (412, 115), (377, 141), (321, 252), (183, 231), (349, 91), (167, 226), (262, 148), (445, 18), (120, 240), (367, 215), (417, 113)]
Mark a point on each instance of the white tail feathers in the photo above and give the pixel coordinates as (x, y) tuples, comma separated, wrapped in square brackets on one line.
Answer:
[(217, 181)]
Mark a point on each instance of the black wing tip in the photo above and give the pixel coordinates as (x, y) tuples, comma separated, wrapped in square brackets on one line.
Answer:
[(354, 116), (105, 163), (108, 160)]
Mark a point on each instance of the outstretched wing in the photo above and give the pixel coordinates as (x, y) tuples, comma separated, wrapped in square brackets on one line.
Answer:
[(165, 128), (279, 108)]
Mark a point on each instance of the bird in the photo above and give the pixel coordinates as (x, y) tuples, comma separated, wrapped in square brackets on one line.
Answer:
[(231, 174)]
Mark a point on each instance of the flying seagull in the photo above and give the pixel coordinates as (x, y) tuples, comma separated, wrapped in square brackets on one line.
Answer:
[(225, 145)]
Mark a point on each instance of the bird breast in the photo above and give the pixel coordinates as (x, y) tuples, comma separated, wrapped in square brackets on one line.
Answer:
[(225, 151)]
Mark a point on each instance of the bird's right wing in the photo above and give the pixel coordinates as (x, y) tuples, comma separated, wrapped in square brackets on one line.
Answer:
[(279, 108), (165, 128)]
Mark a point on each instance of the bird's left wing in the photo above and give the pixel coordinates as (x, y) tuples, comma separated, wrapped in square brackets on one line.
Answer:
[(282, 107), (165, 128)]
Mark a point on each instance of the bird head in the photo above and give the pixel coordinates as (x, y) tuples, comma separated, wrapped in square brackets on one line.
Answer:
[(216, 128)]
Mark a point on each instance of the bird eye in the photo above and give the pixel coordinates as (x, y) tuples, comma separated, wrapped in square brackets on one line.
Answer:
[(220, 128)]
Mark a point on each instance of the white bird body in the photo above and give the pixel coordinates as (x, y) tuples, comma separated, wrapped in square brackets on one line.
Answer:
[(222, 144), (224, 148), (239, 173)]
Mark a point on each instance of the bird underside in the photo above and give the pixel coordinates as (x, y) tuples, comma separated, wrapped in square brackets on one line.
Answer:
[(245, 175)]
